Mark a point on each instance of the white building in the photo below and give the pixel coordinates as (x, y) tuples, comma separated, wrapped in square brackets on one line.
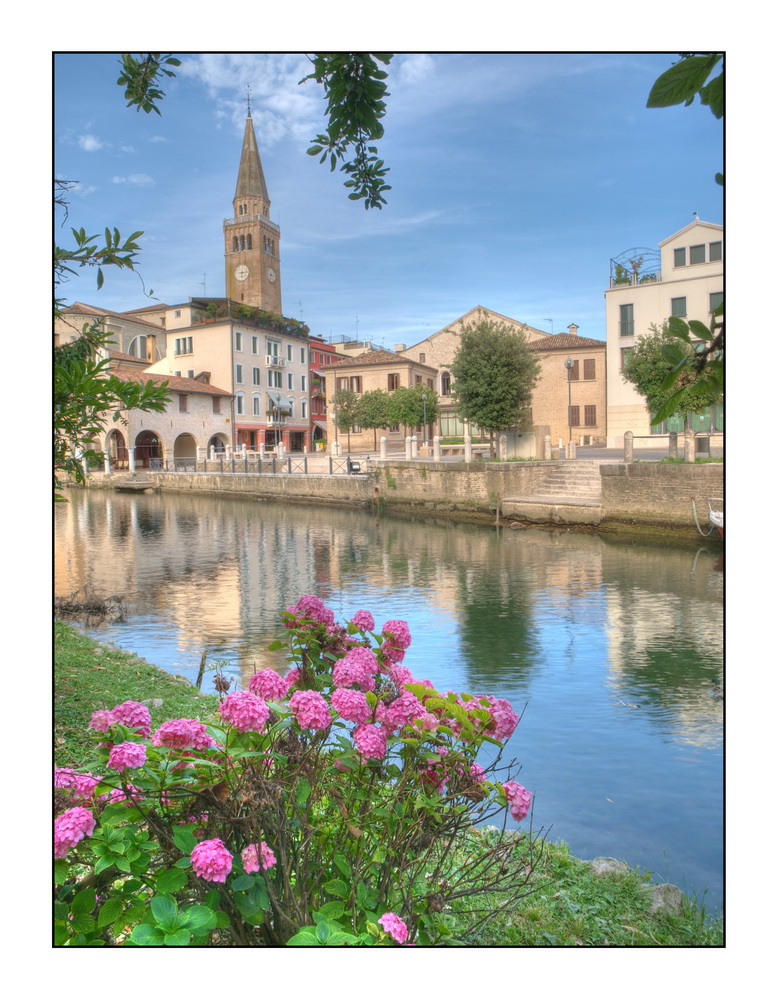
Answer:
[(683, 278)]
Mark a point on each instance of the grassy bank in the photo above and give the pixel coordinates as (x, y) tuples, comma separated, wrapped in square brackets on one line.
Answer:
[(571, 906)]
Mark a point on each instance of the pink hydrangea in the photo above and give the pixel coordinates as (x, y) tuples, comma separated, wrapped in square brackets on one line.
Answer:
[(399, 633), (505, 719), (211, 860), (310, 606), (518, 798), (310, 710), (402, 710), (391, 653), (182, 734), (127, 755), (117, 795), (292, 678), (477, 773), (269, 684), (101, 720), (350, 705), (364, 621), (250, 857), (71, 827), (268, 858), (394, 927), (357, 667), (401, 675), (245, 711), (134, 716), (370, 741), (82, 784)]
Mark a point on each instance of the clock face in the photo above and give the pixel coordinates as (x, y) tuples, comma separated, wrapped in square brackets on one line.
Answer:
[(241, 272), (271, 274)]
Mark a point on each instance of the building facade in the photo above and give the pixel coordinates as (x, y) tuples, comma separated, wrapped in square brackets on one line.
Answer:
[(684, 277), (321, 354)]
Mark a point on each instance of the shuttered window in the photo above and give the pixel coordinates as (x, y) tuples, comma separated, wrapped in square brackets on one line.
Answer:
[(574, 416), (574, 371), (589, 368), (590, 416)]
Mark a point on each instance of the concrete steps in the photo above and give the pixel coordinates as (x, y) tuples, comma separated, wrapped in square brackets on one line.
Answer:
[(571, 493)]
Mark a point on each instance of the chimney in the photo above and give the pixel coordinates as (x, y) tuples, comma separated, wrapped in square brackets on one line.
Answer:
[(398, 348), (573, 328)]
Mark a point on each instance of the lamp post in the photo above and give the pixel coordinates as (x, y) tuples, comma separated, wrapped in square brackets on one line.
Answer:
[(423, 397), (569, 365)]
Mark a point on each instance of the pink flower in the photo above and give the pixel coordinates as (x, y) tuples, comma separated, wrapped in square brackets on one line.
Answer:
[(269, 684), (505, 719), (399, 633), (356, 667), (518, 798), (125, 755), (401, 675), (292, 678), (370, 741), (70, 827), (134, 716), (391, 652), (268, 858), (309, 606), (402, 710), (244, 711), (477, 773), (117, 795), (310, 710), (364, 621), (394, 927), (350, 705), (250, 856), (102, 720), (182, 734), (211, 860), (426, 722)]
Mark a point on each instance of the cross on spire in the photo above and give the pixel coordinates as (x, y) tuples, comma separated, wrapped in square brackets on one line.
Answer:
[(248, 99)]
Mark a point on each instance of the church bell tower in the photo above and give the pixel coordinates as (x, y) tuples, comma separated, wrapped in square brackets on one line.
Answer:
[(251, 241)]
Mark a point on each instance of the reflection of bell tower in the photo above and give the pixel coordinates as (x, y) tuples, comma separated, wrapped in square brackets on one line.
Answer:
[(251, 241)]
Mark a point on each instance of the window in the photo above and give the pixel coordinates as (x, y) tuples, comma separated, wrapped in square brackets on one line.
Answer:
[(590, 416), (138, 348), (574, 416), (716, 251), (589, 369), (356, 383), (698, 253), (625, 352), (238, 340), (239, 398), (216, 404), (304, 405), (418, 379), (257, 404), (679, 307), (290, 380), (627, 321), (177, 314), (183, 403), (430, 383), (275, 379), (255, 376), (303, 383), (422, 358), (574, 372), (289, 352), (679, 257), (715, 300), (239, 374), (183, 345), (254, 345), (273, 347), (445, 383), (393, 382), (190, 373), (302, 355), (177, 374)]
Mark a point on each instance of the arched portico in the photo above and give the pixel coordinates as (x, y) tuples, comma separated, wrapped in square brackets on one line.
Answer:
[(148, 447), (185, 447), (116, 449)]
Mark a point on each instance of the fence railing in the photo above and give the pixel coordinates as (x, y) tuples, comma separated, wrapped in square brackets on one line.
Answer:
[(237, 465)]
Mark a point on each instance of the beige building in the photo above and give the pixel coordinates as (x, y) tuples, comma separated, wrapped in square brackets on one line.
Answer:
[(684, 277)]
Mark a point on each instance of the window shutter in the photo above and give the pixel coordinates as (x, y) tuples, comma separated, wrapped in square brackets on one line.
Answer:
[(590, 416), (574, 412), (574, 373), (589, 368)]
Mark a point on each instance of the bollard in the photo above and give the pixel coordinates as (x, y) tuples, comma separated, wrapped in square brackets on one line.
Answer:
[(467, 448), (547, 453), (690, 445), (408, 448), (414, 447), (436, 446), (571, 451), (131, 454), (383, 448), (107, 464), (628, 446), (502, 453), (261, 450), (673, 451)]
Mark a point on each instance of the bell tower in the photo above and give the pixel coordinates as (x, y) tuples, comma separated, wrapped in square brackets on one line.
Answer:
[(251, 241)]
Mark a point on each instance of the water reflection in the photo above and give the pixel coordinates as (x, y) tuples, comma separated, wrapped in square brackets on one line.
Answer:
[(614, 648)]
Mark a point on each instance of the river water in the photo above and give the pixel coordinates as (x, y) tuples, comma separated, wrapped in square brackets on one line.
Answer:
[(612, 651)]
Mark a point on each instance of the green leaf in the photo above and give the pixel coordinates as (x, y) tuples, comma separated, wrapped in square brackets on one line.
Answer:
[(83, 923), (198, 918), (60, 871), (334, 909), (165, 910), (303, 791), (147, 936), (184, 840), (337, 887), (178, 939), (304, 938), (110, 910), (681, 82), (84, 901), (170, 880), (242, 882)]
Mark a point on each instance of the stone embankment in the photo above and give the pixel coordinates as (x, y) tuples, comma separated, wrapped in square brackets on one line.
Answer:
[(575, 493)]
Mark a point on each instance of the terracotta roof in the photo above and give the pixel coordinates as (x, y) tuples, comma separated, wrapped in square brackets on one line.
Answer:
[(81, 308), (118, 356), (564, 342), (370, 358), (176, 382)]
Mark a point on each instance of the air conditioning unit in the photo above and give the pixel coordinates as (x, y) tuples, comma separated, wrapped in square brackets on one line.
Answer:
[(274, 361)]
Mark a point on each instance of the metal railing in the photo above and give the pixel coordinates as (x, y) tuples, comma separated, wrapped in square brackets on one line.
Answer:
[(238, 465)]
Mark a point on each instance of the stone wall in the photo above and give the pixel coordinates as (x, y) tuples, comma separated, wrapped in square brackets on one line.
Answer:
[(648, 493)]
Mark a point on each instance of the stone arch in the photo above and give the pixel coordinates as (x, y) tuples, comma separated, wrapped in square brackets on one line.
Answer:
[(219, 442), (148, 449), (116, 449), (185, 447)]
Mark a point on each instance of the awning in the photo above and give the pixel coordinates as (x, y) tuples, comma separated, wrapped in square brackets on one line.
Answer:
[(279, 402), (321, 424)]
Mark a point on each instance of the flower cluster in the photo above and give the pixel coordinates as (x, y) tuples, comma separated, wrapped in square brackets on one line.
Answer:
[(245, 711), (131, 714), (351, 705), (370, 741), (364, 621), (255, 858), (357, 668), (127, 755), (211, 860), (70, 827), (312, 607), (519, 800), (81, 786), (394, 926), (182, 734), (310, 710), (269, 684)]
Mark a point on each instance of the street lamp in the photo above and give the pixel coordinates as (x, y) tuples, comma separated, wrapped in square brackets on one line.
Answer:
[(569, 364), (423, 397)]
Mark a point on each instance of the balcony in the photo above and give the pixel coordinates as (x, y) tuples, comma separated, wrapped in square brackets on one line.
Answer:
[(637, 266), (275, 361)]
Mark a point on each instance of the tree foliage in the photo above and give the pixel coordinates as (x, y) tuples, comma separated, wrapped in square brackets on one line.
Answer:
[(651, 363), (495, 375), (407, 406), (139, 77), (354, 90), (373, 411), (345, 403)]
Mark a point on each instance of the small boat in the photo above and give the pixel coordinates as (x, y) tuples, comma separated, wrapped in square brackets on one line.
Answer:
[(715, 505), (135, 485)]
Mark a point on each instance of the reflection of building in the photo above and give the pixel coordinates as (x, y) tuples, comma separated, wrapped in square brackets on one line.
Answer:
[(321, 354), (683, 278)]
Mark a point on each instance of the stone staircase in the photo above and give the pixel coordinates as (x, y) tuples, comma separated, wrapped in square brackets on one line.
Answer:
[(571, 493)]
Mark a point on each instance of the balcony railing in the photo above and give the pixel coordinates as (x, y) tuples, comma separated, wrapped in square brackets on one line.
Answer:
[(275, 361), (648, 278), (253, 218)]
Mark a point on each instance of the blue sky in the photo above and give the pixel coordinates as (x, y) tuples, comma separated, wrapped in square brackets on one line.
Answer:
[(515, 178)]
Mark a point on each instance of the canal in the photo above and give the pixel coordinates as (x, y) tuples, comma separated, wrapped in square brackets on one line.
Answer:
[(611, 651)]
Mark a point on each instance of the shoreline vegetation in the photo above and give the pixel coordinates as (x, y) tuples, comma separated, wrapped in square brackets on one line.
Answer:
[(571, 906)]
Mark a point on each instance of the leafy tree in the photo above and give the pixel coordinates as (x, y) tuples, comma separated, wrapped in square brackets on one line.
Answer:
[(681, 84), (407, 406), (495, 375), (354, 89), (647, 367), (346, 406), (373, 410)]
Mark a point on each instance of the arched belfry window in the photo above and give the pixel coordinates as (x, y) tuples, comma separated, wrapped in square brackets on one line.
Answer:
[(248, 243), (235, 244)]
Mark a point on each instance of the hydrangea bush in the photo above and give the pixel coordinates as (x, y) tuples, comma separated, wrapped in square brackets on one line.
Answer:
[(338, 804)]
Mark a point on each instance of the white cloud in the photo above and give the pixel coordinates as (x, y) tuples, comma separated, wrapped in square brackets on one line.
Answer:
[(90, 143), (413, 68), (135, 179)]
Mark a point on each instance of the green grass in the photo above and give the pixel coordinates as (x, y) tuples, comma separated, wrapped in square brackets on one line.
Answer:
[(89, 675)]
